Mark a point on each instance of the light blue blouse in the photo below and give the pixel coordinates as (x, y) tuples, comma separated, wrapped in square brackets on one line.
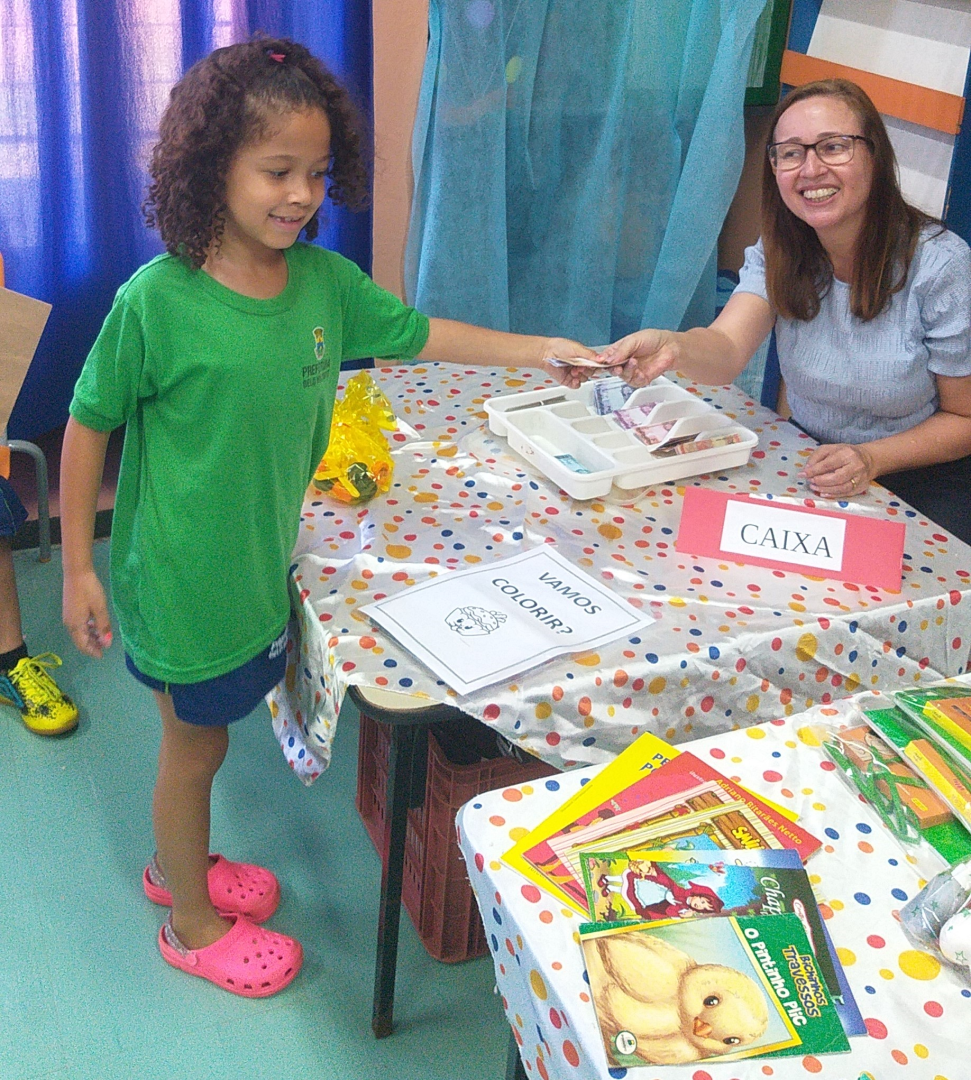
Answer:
[(853, 381)]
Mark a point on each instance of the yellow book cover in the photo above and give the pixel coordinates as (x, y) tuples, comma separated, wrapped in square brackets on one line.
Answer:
[(645, 754)]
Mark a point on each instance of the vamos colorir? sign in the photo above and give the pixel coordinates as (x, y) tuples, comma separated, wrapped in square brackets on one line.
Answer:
[(492, 622)]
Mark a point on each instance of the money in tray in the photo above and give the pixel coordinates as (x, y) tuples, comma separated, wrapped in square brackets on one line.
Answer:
[(604, 435)]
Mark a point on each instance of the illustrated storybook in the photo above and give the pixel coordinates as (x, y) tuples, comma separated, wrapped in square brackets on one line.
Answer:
[(683, 803), (636, 886), (646, 753), (708, 990)]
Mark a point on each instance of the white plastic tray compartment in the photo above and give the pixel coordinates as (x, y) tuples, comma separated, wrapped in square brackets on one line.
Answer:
[(538, 433)]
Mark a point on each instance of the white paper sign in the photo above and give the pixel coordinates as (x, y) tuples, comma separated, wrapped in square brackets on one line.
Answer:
[(790, 536), (479, 626)]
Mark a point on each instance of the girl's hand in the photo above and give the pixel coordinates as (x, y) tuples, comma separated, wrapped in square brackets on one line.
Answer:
[(564, 349), (839, 471), (86, 613), (642, 356)]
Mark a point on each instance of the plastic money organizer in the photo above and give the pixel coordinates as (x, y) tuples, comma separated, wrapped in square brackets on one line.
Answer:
[(603, 435)]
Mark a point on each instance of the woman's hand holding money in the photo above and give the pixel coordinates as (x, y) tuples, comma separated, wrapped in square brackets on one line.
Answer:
[(640, 357)]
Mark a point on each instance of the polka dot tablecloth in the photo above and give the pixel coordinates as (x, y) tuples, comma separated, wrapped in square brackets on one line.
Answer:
[(916, 1012), (732, 645)]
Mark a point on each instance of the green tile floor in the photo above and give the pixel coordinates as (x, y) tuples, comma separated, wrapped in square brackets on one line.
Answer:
[(84, 994)]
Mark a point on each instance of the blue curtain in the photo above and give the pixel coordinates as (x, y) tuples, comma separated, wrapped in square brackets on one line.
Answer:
[(574, 161), (82, 87)]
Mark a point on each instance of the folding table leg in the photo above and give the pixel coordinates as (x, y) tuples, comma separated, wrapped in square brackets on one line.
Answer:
[(514, 1063), (400, 768)]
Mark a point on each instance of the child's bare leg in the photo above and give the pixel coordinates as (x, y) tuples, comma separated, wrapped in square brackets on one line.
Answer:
[(188, 760), (11, 633)]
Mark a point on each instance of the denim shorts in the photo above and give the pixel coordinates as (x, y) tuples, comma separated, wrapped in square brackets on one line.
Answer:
[(12, 511), (226, 698)]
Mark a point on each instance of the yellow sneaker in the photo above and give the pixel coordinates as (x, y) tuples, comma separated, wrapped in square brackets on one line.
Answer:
[(29, 687)]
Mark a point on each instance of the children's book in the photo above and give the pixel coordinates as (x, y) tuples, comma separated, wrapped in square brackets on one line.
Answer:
[(646, 753), (666, 885), (682, 803), (708, 990), (950, 838)]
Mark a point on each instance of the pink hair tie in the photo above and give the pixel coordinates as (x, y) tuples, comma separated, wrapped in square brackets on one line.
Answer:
[(279, 57)]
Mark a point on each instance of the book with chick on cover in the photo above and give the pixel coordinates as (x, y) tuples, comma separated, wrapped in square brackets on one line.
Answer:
[(665, 885), (708, 990), (684, 803)]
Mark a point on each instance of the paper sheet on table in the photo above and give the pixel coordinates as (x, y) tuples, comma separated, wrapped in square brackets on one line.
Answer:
[(479, 626)]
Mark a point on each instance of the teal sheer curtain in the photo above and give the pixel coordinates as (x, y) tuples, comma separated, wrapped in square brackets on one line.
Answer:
[(574, 161)]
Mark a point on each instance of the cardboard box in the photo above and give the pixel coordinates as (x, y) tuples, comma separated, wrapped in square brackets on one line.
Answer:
[(22, 321)]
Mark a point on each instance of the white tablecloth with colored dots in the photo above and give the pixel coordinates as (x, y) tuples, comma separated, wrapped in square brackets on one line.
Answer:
[(732, 645), (916, 1011)]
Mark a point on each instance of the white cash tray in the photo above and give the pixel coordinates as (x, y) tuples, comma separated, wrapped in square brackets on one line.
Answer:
[(540, 424)]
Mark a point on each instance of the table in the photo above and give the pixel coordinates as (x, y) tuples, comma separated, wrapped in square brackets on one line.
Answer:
[(915, 1011), (406, 786), (731, 646)]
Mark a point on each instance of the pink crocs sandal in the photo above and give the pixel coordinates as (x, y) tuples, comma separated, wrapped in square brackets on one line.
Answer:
[(234, 888), (249, 960)]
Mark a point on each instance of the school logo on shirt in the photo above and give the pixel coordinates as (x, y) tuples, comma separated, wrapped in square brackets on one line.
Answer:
[(314, 373)]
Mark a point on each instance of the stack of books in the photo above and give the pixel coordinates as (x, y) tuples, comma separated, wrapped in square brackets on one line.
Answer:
[(703, 938)]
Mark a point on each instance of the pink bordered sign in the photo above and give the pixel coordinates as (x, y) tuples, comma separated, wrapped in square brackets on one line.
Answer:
[(801, 538)]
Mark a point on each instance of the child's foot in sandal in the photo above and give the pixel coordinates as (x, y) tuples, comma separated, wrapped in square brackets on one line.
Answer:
[(234, 888), (249, 960)]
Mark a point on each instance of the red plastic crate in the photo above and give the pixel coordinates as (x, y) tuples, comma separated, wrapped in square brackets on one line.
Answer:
[(435, 892)]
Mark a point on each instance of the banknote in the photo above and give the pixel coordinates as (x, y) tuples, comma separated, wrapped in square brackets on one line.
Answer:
[(610, 395)]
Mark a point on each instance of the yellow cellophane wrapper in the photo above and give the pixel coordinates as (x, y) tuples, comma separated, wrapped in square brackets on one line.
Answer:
[(358, 461)]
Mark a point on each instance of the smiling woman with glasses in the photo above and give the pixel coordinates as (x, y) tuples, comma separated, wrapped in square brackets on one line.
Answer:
[(870, 300)]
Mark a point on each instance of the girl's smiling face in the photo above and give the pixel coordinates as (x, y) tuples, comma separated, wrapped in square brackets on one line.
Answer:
[(275, 185), (830, 198)]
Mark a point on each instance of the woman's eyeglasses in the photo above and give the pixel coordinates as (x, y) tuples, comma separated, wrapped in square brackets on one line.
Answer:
[(833, 150)]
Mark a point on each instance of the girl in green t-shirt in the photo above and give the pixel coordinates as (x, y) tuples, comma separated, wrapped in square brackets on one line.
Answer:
[(222, 359)]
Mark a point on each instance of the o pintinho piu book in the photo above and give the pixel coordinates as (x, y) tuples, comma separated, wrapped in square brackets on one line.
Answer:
[(708, 990)]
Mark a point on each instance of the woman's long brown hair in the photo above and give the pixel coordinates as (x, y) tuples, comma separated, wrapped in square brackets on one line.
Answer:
[(798, 272)]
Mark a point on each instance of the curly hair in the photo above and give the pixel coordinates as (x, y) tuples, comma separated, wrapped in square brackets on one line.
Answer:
[(227, 100), (798, 271)]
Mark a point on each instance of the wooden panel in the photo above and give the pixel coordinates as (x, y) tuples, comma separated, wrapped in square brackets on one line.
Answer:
[(906, 101)]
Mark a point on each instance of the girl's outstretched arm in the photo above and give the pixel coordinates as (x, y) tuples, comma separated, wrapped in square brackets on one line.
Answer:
[(462, 343), (85, 606)]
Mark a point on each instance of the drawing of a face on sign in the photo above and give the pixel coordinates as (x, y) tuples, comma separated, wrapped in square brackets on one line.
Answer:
[(474, 621)]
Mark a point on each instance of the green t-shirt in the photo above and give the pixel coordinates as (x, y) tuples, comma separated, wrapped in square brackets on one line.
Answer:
[(228, 402)]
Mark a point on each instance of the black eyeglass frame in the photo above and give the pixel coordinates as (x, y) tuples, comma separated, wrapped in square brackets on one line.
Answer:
[(812, 146)]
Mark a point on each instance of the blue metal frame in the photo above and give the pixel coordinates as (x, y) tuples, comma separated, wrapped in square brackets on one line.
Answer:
[(957, 212), (803, 22)]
